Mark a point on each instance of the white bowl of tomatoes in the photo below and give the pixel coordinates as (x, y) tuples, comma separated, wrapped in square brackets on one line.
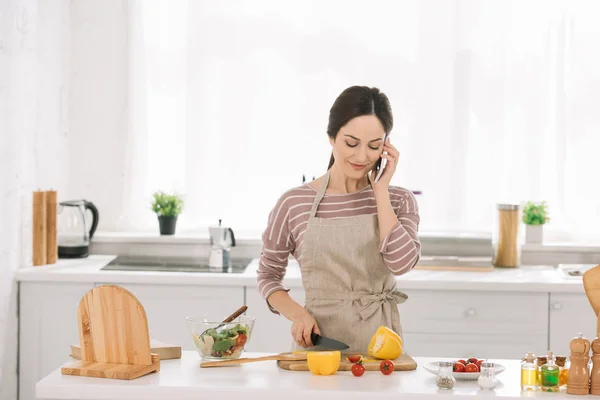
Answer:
[(464, 369)]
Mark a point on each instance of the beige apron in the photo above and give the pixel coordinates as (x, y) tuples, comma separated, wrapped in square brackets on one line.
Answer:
[(349, 290)]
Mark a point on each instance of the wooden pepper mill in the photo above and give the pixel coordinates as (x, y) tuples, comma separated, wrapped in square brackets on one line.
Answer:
[(595, 376), (578, 381)]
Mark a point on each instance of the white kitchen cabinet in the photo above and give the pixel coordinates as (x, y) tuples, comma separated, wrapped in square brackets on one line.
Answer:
[(271, 331), (47, 329), (167, 306), (570, 313), (451, 323), (449, 311), (474, 344)]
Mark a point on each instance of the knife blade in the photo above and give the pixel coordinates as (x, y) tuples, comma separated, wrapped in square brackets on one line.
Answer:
[(325, 342)]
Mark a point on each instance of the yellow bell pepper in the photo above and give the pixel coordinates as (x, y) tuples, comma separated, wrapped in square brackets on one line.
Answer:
[(385, 344), (323, 362)]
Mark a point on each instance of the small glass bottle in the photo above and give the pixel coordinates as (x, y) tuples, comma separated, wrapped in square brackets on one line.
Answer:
[(563, 371), (550, 375), (487, 377), (445, 378), (541, 361), (529, 373)]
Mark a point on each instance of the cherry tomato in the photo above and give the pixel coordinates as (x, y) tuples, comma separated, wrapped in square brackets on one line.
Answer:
[(354, 359), (459, 367), (472, 360), (478, 363), (386, 367), (358, 369), (241, 340), (471, 368), (463, 362)]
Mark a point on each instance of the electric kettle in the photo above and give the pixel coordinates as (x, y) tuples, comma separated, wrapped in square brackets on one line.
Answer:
[(74, 231), (222, 240)]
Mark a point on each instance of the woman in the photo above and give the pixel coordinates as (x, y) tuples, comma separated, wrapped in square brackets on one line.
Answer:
[(350, 235)]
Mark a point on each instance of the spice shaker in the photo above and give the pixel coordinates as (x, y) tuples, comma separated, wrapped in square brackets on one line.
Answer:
[(487, 376), (506, 237), (445, 378), (578, 381), (595, 368)]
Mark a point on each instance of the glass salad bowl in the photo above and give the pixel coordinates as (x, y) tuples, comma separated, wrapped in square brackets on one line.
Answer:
[(215, 340)]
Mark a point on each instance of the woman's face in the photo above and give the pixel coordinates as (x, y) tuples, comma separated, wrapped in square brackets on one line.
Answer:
[(358, 146)]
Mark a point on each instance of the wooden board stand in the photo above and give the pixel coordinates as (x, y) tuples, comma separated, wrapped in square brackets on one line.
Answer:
[(113, 336), (402, 363)]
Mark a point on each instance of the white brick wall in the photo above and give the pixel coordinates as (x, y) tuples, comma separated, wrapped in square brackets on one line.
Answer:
[(34, 77)]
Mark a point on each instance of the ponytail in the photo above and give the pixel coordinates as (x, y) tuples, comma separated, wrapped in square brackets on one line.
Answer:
[(331, 160)]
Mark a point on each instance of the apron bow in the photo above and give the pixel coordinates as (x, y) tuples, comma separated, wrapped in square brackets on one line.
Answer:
[(373, 301)]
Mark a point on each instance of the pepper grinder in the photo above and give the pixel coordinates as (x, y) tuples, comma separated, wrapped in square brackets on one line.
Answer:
[(578, 381), (595, 378)]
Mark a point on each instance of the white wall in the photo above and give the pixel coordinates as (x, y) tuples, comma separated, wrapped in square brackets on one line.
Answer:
[(34, 141)]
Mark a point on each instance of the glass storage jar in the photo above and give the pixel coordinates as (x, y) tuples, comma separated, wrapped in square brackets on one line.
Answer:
[(507, 237)]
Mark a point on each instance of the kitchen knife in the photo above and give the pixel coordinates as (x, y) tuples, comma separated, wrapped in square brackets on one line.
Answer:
[(325, 342)]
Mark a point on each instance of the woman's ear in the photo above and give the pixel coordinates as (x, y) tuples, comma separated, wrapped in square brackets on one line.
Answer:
[(331, 141)]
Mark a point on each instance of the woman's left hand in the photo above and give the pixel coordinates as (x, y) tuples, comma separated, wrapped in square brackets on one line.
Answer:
[(392, 158)]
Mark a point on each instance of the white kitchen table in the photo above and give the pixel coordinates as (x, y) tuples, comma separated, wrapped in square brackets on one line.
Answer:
[(183, 379)]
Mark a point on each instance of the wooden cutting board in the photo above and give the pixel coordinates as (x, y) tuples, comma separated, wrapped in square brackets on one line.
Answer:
[(165, 351), (402, 363), (591, 284), (113, 336)]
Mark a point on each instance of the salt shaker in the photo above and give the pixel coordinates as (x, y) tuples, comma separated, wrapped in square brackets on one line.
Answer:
[(487, 376), (445, 378)]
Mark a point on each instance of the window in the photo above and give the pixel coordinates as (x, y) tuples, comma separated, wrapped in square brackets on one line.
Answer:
[(493, 101)]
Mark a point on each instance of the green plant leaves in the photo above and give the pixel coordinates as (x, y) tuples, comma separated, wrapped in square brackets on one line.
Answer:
[(167, 205), (535, 213)]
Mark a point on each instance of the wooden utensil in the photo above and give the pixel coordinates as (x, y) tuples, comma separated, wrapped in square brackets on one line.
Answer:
[(276, 357), (113, 336), (165, 351), (227, 320), (591, 284), (402, 363)]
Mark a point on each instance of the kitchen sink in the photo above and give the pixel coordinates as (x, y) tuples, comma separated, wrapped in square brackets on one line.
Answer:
[(126, 263), (573, 271)]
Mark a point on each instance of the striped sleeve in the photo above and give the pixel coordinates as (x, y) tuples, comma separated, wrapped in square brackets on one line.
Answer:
[(277, 245), (401, 248)]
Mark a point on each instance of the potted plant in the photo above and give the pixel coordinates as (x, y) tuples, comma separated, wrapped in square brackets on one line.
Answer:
[(167, 207), (535, 215)]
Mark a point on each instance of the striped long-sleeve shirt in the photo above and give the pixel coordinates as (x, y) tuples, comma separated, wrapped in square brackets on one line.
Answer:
[(287, 222)]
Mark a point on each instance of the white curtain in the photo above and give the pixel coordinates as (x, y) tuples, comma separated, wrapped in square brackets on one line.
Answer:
[(493, 101)]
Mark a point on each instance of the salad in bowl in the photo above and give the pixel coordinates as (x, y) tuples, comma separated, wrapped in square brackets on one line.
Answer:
[(215, 340)]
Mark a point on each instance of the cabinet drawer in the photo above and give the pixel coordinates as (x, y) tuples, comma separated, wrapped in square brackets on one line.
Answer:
[(480, 346), (449, 311)]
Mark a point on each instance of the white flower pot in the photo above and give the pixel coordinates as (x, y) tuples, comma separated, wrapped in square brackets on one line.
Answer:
[(534, 234)]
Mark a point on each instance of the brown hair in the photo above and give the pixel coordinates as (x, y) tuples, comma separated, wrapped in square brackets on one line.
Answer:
[(357, 101)]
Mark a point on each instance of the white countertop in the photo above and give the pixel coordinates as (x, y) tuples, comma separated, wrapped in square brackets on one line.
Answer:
[(183, 379), (541, 278)]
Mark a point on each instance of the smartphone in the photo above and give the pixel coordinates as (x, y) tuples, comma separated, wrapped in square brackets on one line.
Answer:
[(381, 163)]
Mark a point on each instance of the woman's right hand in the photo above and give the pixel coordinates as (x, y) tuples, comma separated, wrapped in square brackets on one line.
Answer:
[(302, 326)]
